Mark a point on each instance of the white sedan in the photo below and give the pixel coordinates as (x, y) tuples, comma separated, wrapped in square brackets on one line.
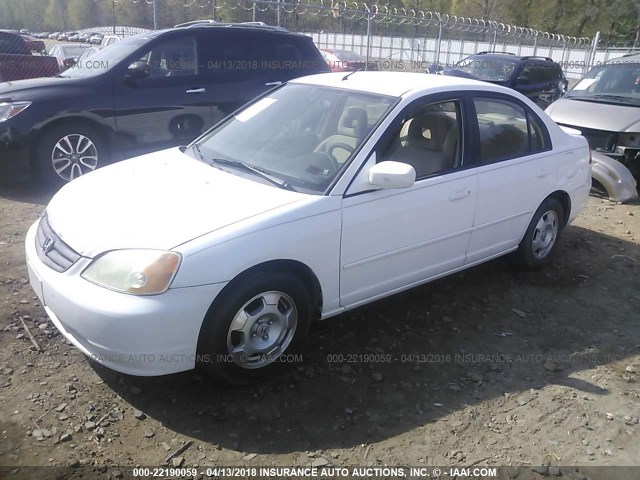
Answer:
[(325, 194)]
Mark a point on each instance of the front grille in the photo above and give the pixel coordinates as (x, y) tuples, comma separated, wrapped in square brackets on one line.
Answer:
[(598, 138), (52, 250)]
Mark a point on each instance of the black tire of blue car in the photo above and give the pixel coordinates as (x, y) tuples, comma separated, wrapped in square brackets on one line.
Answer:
[(68, 151), (541, 238), (255, 328)]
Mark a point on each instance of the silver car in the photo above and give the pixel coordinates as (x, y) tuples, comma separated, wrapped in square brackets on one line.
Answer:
[(605, 107)]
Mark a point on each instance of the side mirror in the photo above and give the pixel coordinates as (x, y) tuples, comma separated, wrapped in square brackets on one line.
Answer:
[(392, 175), (138, 70), (434, 68)]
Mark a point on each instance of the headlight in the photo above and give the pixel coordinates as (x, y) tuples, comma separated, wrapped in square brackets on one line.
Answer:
[(139, 272), (8, 110)]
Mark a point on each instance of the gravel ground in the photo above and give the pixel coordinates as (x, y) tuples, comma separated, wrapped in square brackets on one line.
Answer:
[(492, 366)]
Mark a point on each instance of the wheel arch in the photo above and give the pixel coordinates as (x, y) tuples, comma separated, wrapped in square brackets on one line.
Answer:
[(565, 200), (302, 271), (99, 127)]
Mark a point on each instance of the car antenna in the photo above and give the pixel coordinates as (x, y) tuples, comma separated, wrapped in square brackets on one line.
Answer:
[(350, 73)]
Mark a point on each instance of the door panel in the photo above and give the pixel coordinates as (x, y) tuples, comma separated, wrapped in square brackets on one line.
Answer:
[(516, 171), (509, 193), (172, 105), (393, 238)]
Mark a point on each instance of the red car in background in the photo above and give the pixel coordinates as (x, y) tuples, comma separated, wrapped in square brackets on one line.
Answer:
[(17, 60), (33, 44), (346, 61)]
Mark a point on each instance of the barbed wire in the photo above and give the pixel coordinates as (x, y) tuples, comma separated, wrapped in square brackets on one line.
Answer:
[(382, 15)]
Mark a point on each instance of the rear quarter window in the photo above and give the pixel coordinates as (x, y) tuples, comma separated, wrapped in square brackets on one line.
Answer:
[(289, 54)]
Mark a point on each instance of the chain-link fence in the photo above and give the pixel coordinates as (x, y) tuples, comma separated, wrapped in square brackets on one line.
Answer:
[(394, 38)]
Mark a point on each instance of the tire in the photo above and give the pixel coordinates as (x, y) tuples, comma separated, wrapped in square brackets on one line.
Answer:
[(541, 238), (68, 151), (278, 308)]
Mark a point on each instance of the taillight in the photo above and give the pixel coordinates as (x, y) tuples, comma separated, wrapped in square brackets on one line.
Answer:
[(590, 156)]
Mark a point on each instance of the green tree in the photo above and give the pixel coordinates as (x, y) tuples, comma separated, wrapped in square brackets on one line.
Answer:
[(83, 13), (55, 16), (7, 17)]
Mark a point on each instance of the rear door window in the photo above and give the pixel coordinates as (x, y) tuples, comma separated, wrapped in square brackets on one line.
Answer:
[(230, 55), (508, 130)]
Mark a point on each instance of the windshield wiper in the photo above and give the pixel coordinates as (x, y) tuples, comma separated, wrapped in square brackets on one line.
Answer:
[(617, 98), (613, 97), (253, 169)]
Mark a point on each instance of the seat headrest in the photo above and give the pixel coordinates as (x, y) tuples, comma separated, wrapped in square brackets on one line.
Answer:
[(429, 130), (353, 123)]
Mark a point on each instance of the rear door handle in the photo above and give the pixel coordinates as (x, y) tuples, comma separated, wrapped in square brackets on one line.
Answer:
[(543, 173), (197, 90), (273, 84), (459, 194)]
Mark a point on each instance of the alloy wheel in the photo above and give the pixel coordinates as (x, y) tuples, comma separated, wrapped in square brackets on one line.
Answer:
[(74, 155)]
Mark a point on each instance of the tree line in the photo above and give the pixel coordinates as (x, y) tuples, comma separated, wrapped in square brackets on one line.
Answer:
[(618, 20)]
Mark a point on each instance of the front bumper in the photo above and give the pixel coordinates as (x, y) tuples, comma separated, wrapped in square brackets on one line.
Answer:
[(136, 335), (15, 154)]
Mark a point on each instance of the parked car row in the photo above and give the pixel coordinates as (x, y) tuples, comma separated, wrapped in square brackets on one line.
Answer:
[(81, 37)]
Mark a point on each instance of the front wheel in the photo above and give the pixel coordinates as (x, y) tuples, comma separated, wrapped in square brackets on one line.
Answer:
[(69, 151), (250, 332), (541, 238)]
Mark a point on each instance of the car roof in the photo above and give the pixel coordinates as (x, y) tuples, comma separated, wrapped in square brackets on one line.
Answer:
[(632, 58), (511, 56), (396, 84)]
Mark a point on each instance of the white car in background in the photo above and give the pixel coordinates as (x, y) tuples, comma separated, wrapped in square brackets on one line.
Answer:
[(67, 54), (109, 40), (325, 194)]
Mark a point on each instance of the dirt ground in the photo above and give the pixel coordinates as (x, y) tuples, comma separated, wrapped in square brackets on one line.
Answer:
[(492, 366)]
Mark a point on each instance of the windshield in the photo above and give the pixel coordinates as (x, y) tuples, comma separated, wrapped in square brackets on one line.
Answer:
[(348, 56), (107, 58), (301, 134), (488, 68), (615, 82), (73, 50)]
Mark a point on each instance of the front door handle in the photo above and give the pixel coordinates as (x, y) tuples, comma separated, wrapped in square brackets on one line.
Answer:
[(196, 90), (459, 194), (273, 84)]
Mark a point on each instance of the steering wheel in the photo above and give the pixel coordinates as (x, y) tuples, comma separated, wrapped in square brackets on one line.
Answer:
[(343, 146)]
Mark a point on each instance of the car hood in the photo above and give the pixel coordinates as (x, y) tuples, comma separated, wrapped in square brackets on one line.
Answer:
[(24, 89), (159, 201), (595, 115)]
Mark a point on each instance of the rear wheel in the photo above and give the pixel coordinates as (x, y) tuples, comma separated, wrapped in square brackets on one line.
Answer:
[(69, 151), (541, 238), (250, 331)]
